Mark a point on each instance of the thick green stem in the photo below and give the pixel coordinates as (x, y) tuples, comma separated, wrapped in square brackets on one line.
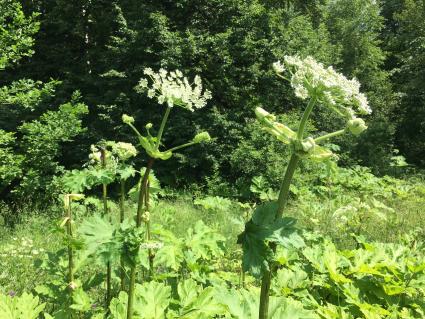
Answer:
[(329, 136), (142, 192), (70, 251), (105, 212), (122, 200), (148, 231), (161, 128), (284, 188), (71, 267), (305, 117), (182, 146), (282, 201)]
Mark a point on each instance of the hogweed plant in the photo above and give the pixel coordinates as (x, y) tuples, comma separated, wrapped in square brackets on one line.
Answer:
[(170, 89), (316, 84)]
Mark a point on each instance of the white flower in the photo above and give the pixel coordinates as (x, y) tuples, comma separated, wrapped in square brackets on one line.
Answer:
[(148, 71), (151, 93), (161, 99), (278, 67), (143, 83), (174, 89)]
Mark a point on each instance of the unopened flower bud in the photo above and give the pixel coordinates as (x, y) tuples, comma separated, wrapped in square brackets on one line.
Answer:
[(127, 119), (72, 285), (356, 126), (146, 216), (308, 144), (149, 126), (201, 137), (262, 114)]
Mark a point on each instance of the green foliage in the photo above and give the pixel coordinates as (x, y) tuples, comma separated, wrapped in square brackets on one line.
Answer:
[(16, 38), (41, 143), (25, 306), (11, 163), (373, 281), (26, 94), (406, 42)]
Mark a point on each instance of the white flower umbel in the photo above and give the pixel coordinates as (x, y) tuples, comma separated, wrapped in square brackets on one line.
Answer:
[(173, 88), (310, 79)]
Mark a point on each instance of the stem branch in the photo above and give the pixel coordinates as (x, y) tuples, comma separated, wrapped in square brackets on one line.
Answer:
[(328, 136), (161, 128)]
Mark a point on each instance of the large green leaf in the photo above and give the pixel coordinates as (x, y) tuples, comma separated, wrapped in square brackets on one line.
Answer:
[(25, 306), (80, 300), (98, 236), (264, 228), (151, 300)]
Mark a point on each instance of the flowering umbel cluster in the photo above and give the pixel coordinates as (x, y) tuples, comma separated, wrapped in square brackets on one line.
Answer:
[(173, 88), (310, 79)]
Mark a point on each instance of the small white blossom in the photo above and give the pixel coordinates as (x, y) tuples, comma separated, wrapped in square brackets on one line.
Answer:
[(278, 67), (148, 71), (151, 93), (174, 89), (143, 83)]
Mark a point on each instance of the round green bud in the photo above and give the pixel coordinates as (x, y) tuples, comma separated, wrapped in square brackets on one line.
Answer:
[(201, 137), (149, 126), (127, 119), (356, 126), (308, 144)]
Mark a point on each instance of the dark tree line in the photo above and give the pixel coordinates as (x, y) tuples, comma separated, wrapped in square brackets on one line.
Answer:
[(100, 48)]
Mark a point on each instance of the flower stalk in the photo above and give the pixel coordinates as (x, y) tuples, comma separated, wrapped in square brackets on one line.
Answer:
[(161, 128), (70, 250), (105, 212), (140, 204), (122, 210)]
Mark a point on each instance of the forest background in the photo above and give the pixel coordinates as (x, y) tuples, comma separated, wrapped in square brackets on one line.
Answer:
[(69, 68)]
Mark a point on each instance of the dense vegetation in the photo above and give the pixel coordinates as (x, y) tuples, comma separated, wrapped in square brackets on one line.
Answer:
[(222, 210)]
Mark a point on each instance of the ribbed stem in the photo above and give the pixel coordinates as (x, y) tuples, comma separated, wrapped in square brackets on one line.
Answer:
[(148, 231), (282, 201), (329, 136), (70, 250), (70, 254), (105, 212), (142, 192), (305, 117), (161, 128), (122, 200)]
